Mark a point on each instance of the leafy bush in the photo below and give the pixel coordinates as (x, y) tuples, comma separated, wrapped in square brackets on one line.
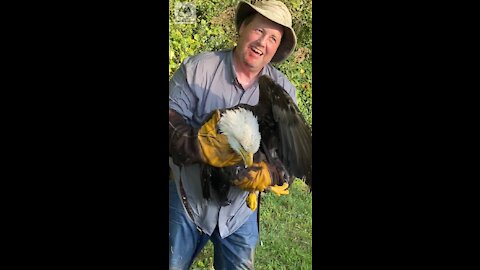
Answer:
[(214, 29)]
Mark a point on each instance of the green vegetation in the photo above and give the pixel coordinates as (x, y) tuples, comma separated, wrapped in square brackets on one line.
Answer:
[(286, 221)]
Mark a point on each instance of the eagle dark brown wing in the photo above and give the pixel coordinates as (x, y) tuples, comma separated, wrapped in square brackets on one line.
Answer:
[(284, 130)]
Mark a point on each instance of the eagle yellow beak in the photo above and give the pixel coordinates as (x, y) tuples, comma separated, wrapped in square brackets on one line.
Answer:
[(247, 158)]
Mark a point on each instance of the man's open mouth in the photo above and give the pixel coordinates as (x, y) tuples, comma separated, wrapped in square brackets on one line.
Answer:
[(256, 51)]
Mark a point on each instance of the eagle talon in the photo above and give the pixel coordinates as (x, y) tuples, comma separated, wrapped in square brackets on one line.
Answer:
[(279, 190), (252, 201)]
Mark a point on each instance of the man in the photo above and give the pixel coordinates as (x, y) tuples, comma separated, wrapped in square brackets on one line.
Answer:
[(202, 84)]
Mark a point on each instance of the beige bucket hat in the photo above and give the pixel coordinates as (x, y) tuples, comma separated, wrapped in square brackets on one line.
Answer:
[(275, 11)]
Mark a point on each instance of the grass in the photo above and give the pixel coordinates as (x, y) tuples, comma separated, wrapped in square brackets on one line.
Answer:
[(285, 232)]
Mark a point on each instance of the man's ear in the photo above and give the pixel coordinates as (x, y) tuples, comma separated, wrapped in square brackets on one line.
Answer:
[(241, 29)]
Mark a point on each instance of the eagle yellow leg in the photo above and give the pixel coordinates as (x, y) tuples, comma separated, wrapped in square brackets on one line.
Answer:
[(279, 190), (252, 201)]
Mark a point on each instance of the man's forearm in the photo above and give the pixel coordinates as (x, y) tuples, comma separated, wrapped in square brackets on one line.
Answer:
[(183, 143)]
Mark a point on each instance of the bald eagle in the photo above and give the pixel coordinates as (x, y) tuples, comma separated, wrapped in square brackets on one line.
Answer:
[(276, 127)]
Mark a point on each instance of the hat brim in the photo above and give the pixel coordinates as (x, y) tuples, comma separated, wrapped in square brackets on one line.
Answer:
[(289, 39)]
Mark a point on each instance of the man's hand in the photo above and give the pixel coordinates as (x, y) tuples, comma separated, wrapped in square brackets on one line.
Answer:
[(256, 178), (214, 147), (188, 145), (259, 178)]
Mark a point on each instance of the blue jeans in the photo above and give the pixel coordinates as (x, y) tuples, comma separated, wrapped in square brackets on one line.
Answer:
[(234, 252)]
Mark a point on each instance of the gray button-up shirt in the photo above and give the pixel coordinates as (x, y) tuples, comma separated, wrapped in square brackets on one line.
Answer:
[(201, 84)]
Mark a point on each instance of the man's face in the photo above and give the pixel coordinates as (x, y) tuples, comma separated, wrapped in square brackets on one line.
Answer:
[(258, 41)]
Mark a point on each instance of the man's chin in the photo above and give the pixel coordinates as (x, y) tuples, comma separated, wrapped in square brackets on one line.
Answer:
[(253, 63)]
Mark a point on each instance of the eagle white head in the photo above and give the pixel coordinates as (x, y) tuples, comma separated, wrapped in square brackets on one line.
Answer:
[(241, 128)]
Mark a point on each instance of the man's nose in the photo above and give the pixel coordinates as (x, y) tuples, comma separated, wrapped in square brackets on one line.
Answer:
[(262, 40)]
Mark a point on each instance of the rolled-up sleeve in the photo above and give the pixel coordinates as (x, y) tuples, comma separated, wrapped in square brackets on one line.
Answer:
[(181, 96)]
